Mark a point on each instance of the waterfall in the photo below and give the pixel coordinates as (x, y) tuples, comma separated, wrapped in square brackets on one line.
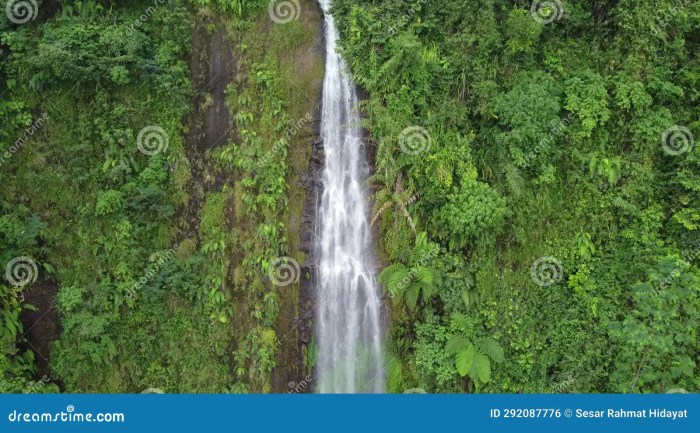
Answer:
[(348, 313)]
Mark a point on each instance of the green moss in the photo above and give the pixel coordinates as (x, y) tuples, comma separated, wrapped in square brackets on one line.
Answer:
[(214, 216)]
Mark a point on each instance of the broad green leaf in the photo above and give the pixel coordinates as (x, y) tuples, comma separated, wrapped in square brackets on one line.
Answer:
[(491, 348), (464, 360), (481, 368), (411, 296), (456, 344)]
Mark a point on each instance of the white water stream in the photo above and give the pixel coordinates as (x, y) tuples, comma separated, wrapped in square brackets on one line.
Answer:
[(348, 314)]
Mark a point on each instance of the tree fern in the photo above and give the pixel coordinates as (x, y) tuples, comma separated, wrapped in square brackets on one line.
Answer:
[(481, 368), (491, 348), (472, 360), (465, 360), (455, 344), (399, 199), (408, 284)]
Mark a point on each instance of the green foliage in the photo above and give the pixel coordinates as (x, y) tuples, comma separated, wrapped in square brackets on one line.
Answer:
[(546, 142), (237, 7), (472, 211), (81, 193), (658, 340), (473, 360), (407, 283)]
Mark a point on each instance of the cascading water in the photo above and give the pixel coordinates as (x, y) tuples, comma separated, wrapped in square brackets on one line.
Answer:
[(348, 314)]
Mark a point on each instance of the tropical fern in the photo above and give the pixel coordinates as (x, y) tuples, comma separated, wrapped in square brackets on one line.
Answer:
[(408, 284), (384, 199), (473, 360)]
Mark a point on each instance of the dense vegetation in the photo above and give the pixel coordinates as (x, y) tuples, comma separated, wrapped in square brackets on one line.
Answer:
[(97, 198), (537, 191), (547, 145)]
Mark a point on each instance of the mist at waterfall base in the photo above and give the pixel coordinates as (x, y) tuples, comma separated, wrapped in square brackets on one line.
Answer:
[(348, 313)]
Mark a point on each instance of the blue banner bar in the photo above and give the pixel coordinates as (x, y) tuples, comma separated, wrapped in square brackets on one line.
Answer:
[(356, 413)]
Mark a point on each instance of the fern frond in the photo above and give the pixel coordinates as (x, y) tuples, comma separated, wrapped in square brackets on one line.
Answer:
[(408, 217), (491, 348), (464, 360), (381, 210), (461, 322), (481, 368), (428, 290), (424, 275), (411, 296), (455, 344), (422, 250), (392, 277)]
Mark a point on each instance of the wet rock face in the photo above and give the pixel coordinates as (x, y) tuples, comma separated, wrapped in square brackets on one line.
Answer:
[(313, 184), (295, 324), (221, 72), (213, 66), (41, 326)]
